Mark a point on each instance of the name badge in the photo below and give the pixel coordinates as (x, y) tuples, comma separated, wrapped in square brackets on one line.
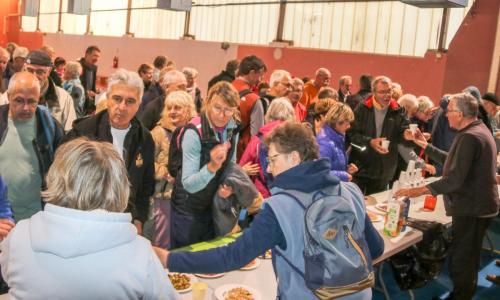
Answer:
[(138, 161)]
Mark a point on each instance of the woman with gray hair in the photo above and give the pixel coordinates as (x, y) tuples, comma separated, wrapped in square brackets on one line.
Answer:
[(73, 86), (280, 110), (75, 247), (178, 111)]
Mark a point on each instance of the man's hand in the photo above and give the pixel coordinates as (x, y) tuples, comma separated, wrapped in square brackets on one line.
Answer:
[(251, 169), (430, 169), (6, 226), (377, 146), (218, 156), (138, 225), (420, 139), (225, 191), (162, 255), (351, 169), (412, 192)]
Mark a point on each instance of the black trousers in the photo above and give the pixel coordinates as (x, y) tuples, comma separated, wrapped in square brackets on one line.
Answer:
[(190, 229), (370, 185), (468, 234)]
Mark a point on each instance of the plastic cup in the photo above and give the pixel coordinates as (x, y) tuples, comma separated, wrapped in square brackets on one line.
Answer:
[(413, 128), (198, 290), (430, 202), (385, 144)]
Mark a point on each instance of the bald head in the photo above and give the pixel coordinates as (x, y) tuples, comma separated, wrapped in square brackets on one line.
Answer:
[(323, 77), (23, 81), (23, 94)]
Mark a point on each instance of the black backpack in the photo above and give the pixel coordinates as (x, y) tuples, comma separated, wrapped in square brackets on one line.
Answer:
[(422, 262)]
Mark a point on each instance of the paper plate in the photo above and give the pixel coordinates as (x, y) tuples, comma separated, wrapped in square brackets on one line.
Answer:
[(191, 278), (210, 276), (381, 207), (223, 291)]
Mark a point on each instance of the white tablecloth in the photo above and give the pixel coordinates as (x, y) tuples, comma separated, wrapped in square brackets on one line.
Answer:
[(261, 279)]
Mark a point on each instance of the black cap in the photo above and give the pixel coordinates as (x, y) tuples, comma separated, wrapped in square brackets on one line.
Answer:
[(491, 97), (39, 58)]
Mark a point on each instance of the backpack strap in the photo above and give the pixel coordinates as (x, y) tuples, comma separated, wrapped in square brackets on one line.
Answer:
[(245, 92)]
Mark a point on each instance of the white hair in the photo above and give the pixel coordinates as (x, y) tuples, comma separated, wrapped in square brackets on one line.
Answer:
[(277, 76), (74, 69), (280, 109), (408, 101), (383, 79), (129, 78), (190, 72), (424, 103), (172, 76)]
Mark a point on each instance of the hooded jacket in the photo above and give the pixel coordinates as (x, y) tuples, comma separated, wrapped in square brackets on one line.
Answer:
[(64, 253)]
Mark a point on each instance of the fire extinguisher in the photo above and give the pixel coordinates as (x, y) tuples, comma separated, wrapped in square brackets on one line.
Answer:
[(115, 62)]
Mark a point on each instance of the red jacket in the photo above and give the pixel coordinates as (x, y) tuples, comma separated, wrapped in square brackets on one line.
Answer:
[(246, 105)]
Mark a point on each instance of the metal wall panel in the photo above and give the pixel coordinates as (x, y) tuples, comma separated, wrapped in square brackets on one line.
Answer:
[(156, 23), (49, 10), (251, 24), (111, 23), (387, 27)]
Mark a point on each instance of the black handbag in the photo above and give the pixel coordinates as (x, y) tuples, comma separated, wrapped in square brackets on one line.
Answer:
[(415, 266)]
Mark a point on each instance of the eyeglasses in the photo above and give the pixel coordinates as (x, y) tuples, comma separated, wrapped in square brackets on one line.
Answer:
[(22, 102), (271, 159), (453, 110), (228, 112)]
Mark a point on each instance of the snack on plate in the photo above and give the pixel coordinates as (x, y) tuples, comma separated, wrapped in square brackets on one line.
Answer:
[(238, 293), (179, 281), (268, 254)]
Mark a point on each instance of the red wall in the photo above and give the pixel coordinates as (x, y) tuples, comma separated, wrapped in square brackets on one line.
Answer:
[(9, 24), (420, 76), (470, 53)]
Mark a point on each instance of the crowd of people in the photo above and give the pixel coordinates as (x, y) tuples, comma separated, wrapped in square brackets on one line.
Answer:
[(86, 176)]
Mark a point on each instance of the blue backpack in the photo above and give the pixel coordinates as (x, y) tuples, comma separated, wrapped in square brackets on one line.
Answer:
[(336, 256)]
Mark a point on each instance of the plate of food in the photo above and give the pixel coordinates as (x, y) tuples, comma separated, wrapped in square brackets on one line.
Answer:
[(236, 292), (374, 217), (182, 282), (210, 275), (251, 265), (381, 207)]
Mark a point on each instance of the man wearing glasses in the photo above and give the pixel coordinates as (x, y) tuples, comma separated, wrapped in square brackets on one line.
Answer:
[(29, 136), (377, 120), (56, 99), (281, 85)]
